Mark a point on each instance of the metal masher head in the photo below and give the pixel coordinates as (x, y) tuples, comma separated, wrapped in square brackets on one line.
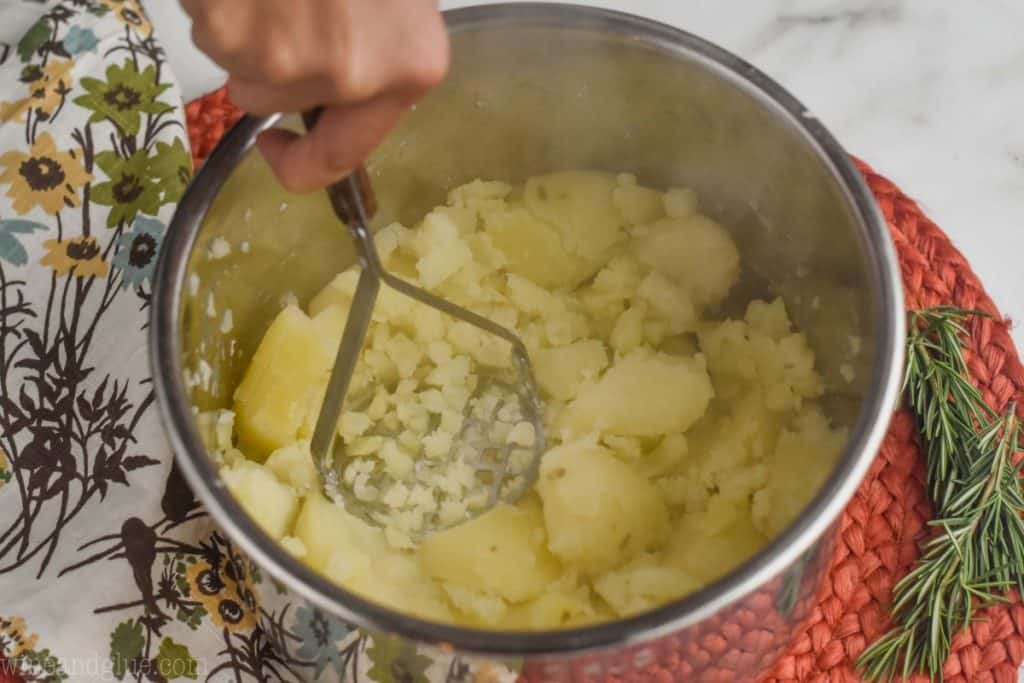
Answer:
[(487, 461)]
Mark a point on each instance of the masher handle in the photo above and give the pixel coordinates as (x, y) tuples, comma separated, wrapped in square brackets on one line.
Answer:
[(353, 201)]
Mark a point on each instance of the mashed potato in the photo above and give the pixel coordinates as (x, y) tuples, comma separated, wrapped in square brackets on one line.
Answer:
[(679, 442)]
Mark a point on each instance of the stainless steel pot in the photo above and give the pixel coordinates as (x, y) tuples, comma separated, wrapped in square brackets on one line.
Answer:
[(536, 88)]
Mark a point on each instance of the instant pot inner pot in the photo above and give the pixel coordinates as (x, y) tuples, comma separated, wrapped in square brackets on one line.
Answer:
[(531, 101)]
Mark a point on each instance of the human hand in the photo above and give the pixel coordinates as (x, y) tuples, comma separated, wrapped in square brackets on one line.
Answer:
[(364, 61)]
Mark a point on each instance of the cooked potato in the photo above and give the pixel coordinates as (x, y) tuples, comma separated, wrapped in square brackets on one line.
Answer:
[(282, 385), (678, 443), (695, 252), (637, 204), (642, 394), (642, 584), (803, 458), (338, 292), (534, 249), (270, 503), (598, 511), (706, 556), (500, 553), (560, 371), (579, 205), (293, 465)]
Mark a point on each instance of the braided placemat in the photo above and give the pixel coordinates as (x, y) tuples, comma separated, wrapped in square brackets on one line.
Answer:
[(882, 525)]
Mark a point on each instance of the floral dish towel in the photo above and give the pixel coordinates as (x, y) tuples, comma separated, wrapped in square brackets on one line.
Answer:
[(109, 570)]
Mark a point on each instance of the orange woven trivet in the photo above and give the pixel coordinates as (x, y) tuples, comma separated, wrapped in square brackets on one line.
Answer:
[(883, 523)]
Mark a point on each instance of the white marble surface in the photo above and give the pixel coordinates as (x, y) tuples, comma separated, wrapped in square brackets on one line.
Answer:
[(930, 92)]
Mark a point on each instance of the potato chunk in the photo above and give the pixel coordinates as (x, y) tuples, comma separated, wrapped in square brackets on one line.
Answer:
[(598, 511), (294, 466), (534, 249), (642, 394), (500, 553), (282, 385), (579, 205), (560, 371), (638, 204), (696, 252), (708, 556), (270, 503), (643, 584), (803, 458)]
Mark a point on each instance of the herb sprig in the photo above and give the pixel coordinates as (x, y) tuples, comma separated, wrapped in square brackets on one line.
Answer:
[(978, 554)]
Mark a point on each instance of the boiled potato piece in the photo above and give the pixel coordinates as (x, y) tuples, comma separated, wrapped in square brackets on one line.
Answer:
[(598, 511), (642, 584), (534, 249), (803, 458), (338, 292), (642, 394), (565, 603), (560, 371), (330, 325), (759, 352), (270, 503), (637, 204), (323, 527), (293, 465), (479, 608), (500, 553), (442, 251), (390, 578), (707, 556), (669, 304), (281, 385), (357, 556), (580, 207), (695, 252)]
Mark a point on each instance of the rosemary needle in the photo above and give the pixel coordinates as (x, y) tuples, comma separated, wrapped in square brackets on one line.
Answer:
[(977, 552)]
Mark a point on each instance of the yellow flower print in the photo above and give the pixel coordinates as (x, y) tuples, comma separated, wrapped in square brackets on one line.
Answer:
[(5, 468), (47, 86), (224, 592), (82, 255), (43, 177), (13, 638), (131, 15)]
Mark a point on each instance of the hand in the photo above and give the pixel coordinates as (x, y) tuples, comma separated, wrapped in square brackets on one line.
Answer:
[(365, 61)]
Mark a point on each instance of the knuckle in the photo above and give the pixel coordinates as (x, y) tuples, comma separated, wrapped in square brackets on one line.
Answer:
[(278, 65), (349, 82), (429, 66)]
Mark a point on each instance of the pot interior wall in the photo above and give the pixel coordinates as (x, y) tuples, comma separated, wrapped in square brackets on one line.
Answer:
[(534, 100)]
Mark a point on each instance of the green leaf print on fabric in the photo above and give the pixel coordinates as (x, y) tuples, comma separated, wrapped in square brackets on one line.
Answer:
[(174, 661), (396, 661), (171, 166), (126, 643), (124, 96), (33, 39), (131, 189)]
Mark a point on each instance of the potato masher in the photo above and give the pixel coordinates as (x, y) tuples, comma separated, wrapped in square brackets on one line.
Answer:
[(500, 471)]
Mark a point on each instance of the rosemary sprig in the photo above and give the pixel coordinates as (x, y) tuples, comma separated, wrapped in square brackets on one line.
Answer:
[(976, 489)]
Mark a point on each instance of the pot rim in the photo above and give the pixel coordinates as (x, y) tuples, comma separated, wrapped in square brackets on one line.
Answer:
[(779, 554)]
